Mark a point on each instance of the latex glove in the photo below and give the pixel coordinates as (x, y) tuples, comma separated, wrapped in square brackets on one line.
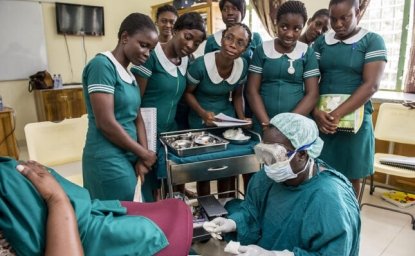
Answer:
[(218, 226), (255, 250)]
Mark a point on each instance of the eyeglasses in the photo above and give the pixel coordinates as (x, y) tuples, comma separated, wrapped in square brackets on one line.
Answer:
[(238, 42)]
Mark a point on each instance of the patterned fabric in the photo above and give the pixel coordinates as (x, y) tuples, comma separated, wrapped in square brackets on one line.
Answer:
[(5, 248), (301, 131)]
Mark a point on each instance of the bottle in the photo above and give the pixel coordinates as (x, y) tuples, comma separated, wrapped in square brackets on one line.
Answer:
[(60, 81), (55, 81), (1, 103)]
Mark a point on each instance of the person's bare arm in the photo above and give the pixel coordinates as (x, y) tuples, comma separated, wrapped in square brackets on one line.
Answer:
[(307, 104), (207, 116), (238, 102), (372, 73), (62, 235), (142, 83), (141, 168), (103, 108), (254, 98)]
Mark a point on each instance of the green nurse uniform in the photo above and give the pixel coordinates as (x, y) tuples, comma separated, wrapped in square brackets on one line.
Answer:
[(213, 44), (108, 170), (341, 66), (166, 83), (318, 217), (281, 90), (212, 91), (104, 227)]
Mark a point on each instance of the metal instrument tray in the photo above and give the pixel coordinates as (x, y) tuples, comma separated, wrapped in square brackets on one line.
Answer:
[(194, 143)]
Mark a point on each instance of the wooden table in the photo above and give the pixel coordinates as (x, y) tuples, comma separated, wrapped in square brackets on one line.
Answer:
[(8, 144)]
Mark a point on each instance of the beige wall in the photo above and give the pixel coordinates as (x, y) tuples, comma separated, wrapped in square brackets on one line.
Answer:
[(15, 93)]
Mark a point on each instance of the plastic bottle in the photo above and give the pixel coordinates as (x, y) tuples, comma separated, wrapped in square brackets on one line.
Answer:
[(60, 81), (55, 81), (1, 103)]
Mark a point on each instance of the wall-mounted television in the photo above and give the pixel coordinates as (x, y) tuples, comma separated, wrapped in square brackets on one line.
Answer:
[(75, 19)]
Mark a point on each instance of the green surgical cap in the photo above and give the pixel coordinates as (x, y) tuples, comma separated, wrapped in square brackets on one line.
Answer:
[(300, 130)]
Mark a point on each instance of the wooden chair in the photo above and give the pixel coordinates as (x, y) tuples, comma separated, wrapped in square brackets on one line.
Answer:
[(395, 124), (59, 145)]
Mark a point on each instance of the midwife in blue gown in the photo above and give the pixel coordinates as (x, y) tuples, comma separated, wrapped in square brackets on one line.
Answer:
[(295, 205)]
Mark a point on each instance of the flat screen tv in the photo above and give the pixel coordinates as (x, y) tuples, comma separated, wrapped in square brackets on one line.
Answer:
[(75, 19)]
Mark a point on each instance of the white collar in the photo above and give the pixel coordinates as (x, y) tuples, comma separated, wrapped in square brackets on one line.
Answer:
[(168, 66), (218, 37), (125, 74), (330, 40), (213, 73), (298, 52)]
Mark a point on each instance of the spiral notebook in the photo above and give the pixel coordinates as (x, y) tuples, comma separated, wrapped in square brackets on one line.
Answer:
[(399, 161), (149, 116), (348, 123)]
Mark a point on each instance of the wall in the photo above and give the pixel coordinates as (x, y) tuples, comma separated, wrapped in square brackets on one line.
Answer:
[(15, 93)]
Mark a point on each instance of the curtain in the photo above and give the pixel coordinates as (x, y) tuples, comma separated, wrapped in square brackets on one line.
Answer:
[(267, 12), (410, 75), (363, 6)]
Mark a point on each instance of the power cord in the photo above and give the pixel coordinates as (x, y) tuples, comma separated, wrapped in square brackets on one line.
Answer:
[(69, 55), (12, 131)]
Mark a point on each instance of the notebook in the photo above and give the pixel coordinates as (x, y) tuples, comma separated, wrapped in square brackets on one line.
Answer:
[(398, 198), (149, 116), (349, 123), (399, 161)]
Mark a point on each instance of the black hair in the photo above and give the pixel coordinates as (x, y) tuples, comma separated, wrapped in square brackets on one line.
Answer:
[(243, 26), (240, 5), (354, 3), (136, 22), (191, 20), (295, 7), (166, 8), (321, 12)]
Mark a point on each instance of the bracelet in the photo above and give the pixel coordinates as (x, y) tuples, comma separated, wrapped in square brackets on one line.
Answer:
[(265, 125)]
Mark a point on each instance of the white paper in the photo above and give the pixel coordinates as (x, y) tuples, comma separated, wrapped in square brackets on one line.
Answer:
[(137, 193), (149, 116), (227, 121)]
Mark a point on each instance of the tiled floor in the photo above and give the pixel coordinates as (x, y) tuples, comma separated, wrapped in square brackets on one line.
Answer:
[(384, 233)]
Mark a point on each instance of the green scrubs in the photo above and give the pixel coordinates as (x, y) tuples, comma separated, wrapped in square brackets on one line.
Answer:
[(318, 217), (281, 90), (213, 44), (341, 65), (166, 83), (103, 227), (108, 170), (212, 91)]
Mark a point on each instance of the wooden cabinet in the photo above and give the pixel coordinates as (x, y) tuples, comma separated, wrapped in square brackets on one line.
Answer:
[(400, 149), (8, 144), (209, 11), (58, 104)]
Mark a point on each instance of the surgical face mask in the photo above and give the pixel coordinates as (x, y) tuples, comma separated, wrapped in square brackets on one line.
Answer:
[(276, 160)]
